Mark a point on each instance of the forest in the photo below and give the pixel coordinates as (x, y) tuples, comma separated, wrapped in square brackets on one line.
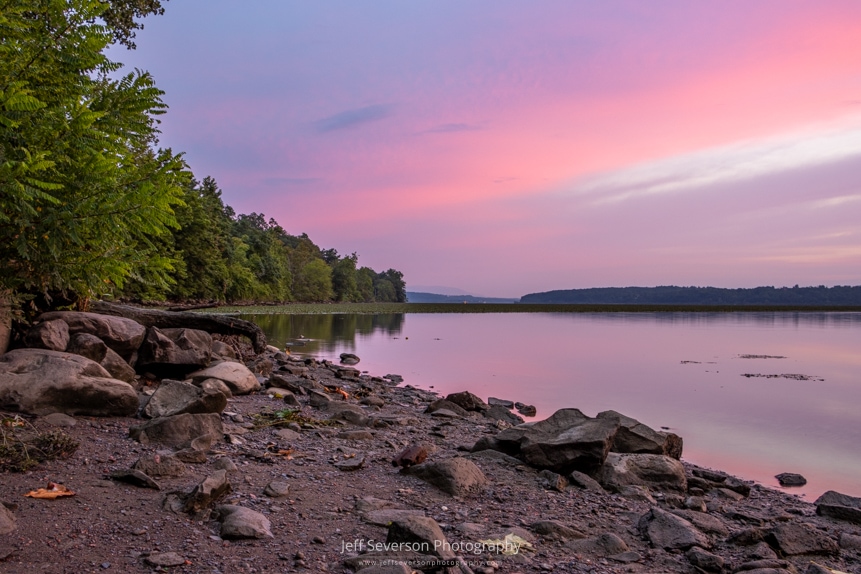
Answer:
[(91, 206)]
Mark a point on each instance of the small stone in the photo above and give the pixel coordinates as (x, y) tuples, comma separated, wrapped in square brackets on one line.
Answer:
[(790, 479), (277, 489), (164, 559), (318, 540), (351, 464), (526, 410), (224, 463)]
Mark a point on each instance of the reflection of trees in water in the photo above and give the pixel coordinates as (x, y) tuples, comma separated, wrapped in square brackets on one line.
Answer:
[(325, 331)]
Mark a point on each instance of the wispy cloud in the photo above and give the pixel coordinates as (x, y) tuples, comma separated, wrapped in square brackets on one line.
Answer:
[(355, 117), (731, 163), (453, 128)]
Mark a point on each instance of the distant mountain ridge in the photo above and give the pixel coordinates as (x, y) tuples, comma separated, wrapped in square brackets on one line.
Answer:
[(420, 297), (673, 295)]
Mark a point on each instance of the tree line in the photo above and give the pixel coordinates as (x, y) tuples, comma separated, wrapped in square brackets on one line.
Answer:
[(91, 206)]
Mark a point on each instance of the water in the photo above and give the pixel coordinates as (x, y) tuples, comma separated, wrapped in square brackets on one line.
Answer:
[(680, 371)]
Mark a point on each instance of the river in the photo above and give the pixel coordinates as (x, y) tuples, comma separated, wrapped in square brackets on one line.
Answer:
[(754, 394)]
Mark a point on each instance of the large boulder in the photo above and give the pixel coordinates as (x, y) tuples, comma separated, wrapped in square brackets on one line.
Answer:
[(88, 346), (236, 376), (457, 476), (635, 437), (174, 350), (39, 381), (238, 522), (177, 397), (178, 430), (118, 367), (840, 506), (120, 334), (652, 470), (51, 335), (566, 441), (671, 532)]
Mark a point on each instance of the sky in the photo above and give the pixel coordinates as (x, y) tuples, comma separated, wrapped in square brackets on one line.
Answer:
[(505, 148)]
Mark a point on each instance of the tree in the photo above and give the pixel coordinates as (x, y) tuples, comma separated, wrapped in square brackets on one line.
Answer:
[(84, 191), (119, 15), (344, 278), (316, 282)]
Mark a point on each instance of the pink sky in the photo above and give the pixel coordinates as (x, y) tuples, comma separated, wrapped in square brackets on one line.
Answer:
[(514, 147)]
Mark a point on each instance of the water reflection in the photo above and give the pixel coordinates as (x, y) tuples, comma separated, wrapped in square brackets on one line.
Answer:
[(324, 333)]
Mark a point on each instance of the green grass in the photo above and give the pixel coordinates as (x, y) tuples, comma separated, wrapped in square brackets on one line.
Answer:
[(383, 308)]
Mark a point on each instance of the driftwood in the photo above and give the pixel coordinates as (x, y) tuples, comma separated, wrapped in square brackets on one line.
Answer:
[(193, 307), (221, 324)]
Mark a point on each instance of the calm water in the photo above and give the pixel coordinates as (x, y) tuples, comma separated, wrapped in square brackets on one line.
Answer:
[(682, 371)]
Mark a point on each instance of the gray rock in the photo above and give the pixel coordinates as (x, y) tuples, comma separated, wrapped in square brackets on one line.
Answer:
[(635, 437), (814, 568), (238, 522), (606, 544), (790, 479), (216, 385), (355, 435), (51, 335), (467, 401), (493, 456), (157, 465), (205, 493), (767, 566), (135, 478), (498, 413), (225, 463), (287, 434), (670, 532), (174, 350), (634, 492), (284, 394), (526, 410), (120, 334), (652, 470), (88, 346), (60, 420), (445, 414), (840, 506), (177, 397), (705, 560), (277, 489), (349, 359), (441, 404), (794, 538), (494, 402), (385, 516), (318, 399), (705, 522), (7, 521), (41, 382), (164, 559), (223, 350), (400, 568), (555, 529), (626, 557), (457, 476), (423, 532), (553, 481), (117, 366), (236, 376), (566, 441), (178, 430), (584, 481), (351, 464), (849, 541)]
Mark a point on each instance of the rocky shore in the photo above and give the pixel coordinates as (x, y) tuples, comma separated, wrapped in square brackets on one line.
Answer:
[(177, 450)]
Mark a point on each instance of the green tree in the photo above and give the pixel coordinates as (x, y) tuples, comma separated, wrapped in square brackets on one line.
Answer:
[(344, 279), (315, 282), (365, 284), (84, 191)]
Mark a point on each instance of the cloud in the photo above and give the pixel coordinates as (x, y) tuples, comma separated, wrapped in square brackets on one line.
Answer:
[(731, 163), (453, 128), (355, 117)]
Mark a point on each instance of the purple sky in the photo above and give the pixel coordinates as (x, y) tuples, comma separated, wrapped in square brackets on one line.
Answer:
[(513, 147)]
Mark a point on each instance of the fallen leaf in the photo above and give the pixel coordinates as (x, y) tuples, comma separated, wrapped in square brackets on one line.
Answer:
[(53, 491)]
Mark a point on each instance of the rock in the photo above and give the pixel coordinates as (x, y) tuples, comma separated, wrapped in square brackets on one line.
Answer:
[(790, 479), (814, 568), (88, 346), (224, 463), (287, 434), (568, 440), (177, 397), (705, 560), (178, 430), (494, 456), (355, 435), (652, 470), (584, 481), (840, 506), (767, 566), (159, 465), (640, 493), (849, 541), (318, 399), (762, 551), (705, 522), (60, 420), (164, 559), (120, 334), (443, 404), (526, 410), (217, 386), (236, 376), (174, 350), (445, 414), (40, 382), (423, 532), (277, 489), (605, 544), (51, 335), (349, 359), (285, 395), (223, 350), (695, 503), (670, 532), (7, 521), (467, 401), (498, 413), (486, 443), (626, 557), (555, 529), (398, 568), (351, 464), (636, 438), (117, 366), (795, 538), (206, 492), (135, 478), (385, 516), (494, 402), (709, 479), (457, 476), (238, 522)]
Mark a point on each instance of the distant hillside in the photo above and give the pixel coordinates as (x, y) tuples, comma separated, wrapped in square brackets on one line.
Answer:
[(417, 297), (672, 295)]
